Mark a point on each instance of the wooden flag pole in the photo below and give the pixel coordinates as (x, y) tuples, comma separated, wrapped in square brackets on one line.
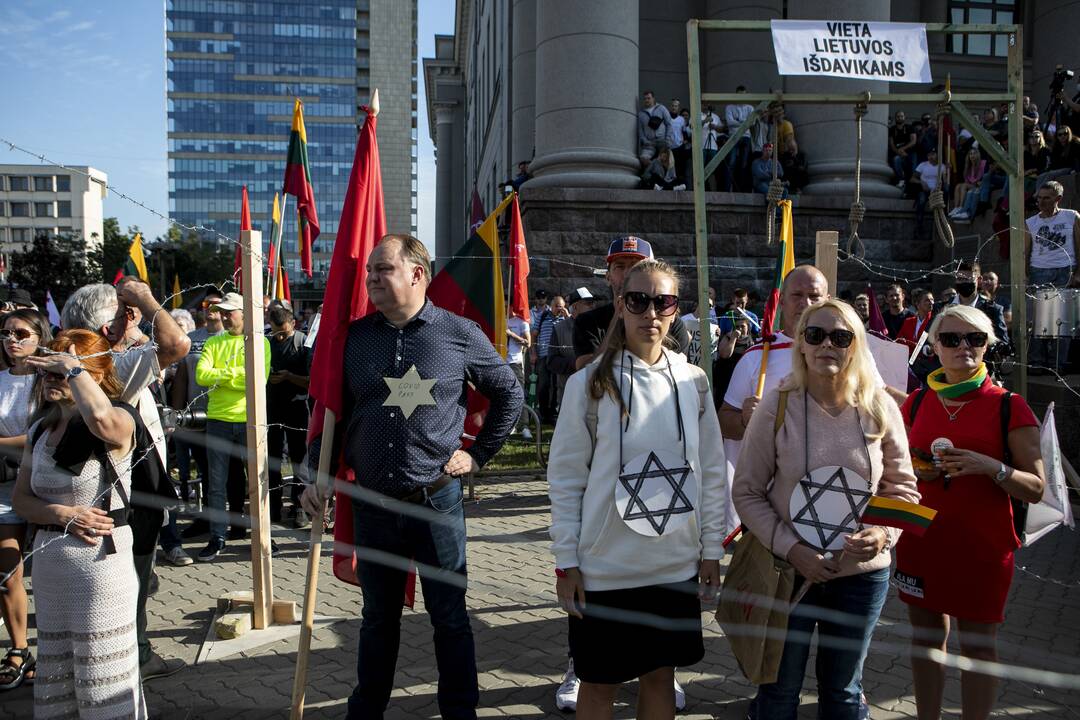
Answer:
[(275, 248), (311, 585), (258, 479)]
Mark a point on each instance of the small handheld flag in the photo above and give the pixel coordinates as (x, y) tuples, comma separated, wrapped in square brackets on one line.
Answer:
[(899, 514)]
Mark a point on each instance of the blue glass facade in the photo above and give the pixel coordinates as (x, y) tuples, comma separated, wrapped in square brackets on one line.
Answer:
[(233, 71)]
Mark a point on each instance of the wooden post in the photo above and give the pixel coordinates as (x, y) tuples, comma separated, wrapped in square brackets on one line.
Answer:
[(307, 626), (825, 250), (1017, 246), (258, 480), (701, 231)]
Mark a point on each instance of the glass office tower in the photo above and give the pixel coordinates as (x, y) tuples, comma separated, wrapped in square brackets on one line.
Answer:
[(233, 70)]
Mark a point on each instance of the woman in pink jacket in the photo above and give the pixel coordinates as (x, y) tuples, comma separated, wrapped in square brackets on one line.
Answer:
[(801, 489)]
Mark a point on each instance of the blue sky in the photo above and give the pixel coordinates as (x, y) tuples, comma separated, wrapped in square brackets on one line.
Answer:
[(86, 86)]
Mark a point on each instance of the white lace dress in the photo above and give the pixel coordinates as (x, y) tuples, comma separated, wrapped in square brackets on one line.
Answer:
[(88, 659)]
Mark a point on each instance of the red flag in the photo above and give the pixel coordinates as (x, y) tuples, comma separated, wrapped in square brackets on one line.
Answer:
[(245, 224), (519, 265), (477, 216), (363, 223)]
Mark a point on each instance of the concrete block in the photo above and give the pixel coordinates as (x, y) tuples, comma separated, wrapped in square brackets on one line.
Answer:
[(233, 624)]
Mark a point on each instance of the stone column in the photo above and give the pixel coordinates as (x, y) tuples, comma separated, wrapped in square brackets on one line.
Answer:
[(586, 94), (523, 96), (445, 163), (739, 58), (826, 133)]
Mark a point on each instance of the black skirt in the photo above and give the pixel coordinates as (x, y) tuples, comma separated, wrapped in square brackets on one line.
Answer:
[(628, 633)]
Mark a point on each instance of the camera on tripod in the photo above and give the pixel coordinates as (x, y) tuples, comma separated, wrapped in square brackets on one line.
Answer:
[(173, 419), (1057, 81)]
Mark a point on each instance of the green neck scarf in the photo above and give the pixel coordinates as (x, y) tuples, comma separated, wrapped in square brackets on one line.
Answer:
[(937, 382)]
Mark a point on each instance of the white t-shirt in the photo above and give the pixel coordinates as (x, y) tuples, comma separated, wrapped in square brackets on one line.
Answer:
[(138, 368), (708, 140), (929, 173), (693, 351), (1052, 243), (514, 351), (14, 403), (675, 138)]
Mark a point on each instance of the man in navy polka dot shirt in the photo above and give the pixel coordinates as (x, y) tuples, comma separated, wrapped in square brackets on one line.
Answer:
[(407, 368)]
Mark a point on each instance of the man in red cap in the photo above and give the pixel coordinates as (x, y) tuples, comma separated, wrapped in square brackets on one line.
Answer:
[(590, 328)]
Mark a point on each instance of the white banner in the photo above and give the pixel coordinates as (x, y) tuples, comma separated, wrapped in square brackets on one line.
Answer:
[(895, 52), (1055, 509)]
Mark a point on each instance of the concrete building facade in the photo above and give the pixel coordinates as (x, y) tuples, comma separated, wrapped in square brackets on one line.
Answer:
[(234, 69), (559, 82), (38, 199)]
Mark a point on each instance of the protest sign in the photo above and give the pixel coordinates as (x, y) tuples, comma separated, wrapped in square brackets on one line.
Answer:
[(895, 52)]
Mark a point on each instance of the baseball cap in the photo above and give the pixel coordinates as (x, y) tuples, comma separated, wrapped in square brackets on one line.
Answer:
[(581, 293), (629, 246), (231, 301)]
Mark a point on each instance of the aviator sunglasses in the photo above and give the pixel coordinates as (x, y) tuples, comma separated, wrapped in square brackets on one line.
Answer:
[(813, 335), (952, 339), (638, 302), (16, 334)]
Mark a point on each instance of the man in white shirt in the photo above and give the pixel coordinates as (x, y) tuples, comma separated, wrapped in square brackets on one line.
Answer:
[(739, 159), (928, 174), (712, 134), (517, 342), (1053, 246)]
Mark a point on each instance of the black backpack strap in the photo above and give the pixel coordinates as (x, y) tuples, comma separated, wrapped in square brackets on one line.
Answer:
[(915, 403)]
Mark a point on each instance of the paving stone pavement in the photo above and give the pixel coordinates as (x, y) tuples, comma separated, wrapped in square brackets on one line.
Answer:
[(520, 636)]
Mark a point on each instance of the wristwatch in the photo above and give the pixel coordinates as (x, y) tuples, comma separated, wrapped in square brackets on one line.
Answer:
[(77, 370), (1002, 473)]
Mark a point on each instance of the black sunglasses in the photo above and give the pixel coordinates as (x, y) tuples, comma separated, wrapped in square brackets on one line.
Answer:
[(16, 334), (814, 335), (952, 339), (638, 302)]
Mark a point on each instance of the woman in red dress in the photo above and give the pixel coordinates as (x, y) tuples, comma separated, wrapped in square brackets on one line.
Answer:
[(963, 566)]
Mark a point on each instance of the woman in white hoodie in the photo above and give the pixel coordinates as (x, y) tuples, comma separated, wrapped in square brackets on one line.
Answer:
[(638, 491)]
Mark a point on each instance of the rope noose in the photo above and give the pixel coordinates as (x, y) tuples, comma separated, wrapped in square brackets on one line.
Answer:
[(776, 186), (858, 210), (937, 196)]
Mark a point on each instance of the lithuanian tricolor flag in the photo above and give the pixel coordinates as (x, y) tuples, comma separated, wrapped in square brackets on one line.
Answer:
[(900, 514), (135, 263), (298, 183), (471, 284), (785, 263), (177, 298)]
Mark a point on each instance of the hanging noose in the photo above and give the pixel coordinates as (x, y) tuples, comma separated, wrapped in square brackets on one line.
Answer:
[(858, 210), (776, 186), (937, 196)]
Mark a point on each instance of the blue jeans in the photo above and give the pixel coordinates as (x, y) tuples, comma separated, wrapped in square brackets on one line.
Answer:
[(738, 160), (224, 441), (990, 183), (438, 541), (835, 607)]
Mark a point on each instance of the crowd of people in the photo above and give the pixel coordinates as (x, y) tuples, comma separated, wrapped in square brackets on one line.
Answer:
[(98, 412), (665, 136)]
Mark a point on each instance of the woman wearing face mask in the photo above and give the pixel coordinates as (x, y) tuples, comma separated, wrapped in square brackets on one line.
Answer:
[(23, 332), (638, 491), (73, 483), (984, 445), (839, 430)]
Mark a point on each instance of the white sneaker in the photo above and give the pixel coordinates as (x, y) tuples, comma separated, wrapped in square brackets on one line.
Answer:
[(680, 186), (178, 557), (566, 695), (680, 697), (526, 434)]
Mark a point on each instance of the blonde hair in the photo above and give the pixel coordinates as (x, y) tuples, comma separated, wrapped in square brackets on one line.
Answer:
[(859, 381), (970, 315), (603, 378)]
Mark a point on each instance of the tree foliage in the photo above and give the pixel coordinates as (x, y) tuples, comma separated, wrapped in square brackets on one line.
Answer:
[(57, 263)]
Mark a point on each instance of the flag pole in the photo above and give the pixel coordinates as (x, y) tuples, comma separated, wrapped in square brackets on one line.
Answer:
[(307, 623), (275, 248)]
